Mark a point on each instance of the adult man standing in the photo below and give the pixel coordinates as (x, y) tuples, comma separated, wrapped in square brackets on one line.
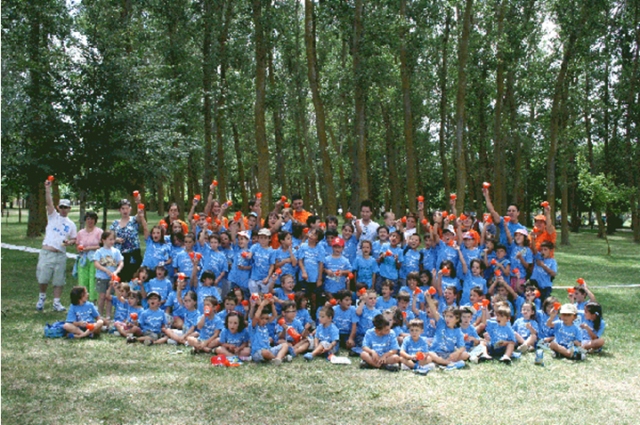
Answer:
[(300, 215), (52, 261), (513, 212)]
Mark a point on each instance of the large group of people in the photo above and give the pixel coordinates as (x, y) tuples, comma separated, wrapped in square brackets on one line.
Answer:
[(413, 293)]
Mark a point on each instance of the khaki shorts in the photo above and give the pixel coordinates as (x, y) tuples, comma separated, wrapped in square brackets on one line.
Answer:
[(102, 285), (52, 267)]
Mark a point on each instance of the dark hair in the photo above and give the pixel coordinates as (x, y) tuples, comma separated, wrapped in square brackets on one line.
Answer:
[(547, 244), (532, 305), (137, 295), (456, 312), (547, 302), (413, 276), (300, 296), (342, 294), (330, 218), (380, 322), (282, 235), (382, 228), (366, 203), (91, 214), (517, 206), (212, 300), (428, 273), (162, 241), (136, 275), (288, 304), (207, 274), (192, 295), (231, 296), (179, 236), (481, 263), (366, 241), (400, 235), (330, 232), (452, 288), (266, 309), (241, 322), (450, 266), (349, 225), (403, 296), (153, 294), (500, 246), (312, 220), (466, 309), (214, 236), (105, 235), (77, 292), (478, 291), (328, 311), (388, 283), (295, 197), (596, 309), (320, 234)]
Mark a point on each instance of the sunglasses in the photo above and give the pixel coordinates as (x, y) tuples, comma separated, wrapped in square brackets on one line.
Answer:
[(63, 207)]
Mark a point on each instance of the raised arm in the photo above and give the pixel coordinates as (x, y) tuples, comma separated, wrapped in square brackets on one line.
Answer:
[(47, 195), (490, 208)]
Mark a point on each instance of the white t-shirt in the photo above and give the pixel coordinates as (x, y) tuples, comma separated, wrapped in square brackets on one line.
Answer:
[(58, 230), (369, 232)]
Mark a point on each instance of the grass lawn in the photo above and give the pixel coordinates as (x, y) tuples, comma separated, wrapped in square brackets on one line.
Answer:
[(53, 381)]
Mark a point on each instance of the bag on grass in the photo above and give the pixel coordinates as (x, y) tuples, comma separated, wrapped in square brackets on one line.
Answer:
[(54, 330)]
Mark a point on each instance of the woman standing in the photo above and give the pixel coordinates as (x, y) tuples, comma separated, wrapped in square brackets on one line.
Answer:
[(87, 243), (127, 241)]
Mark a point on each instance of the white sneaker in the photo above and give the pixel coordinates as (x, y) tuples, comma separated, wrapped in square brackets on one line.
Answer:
[(523, 348), (288, 358), (40, 304), (473, 359), (58, 307), (172, 342)]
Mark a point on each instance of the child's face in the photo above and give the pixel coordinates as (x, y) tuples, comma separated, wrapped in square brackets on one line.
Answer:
[(332, 225), (415, 332), (403, 304), (383, 235), (224, 240), (414, 241), (324, 319), (243, 242), (286, 242), (143, 275), (384, 331), (366, 249), (233, 323), (465, 320), (263, 240), (424, 279), (346, 303), (447, 236), (214, 244), (211, 307), (411, 223), (519, 239), (475, 268), (567, 319), (161, 272), (239, 294), (370, 300), (501, 253), (530, 294), (229, 305), (427, 242), (588, 315), (502, 319), (502, 290), (449, 295), (312, 237), (545, 251), (189, 303), (394, 239), (347, 233), (153, 302), (389, 218), (264, 319), (412, 283), (386, 291), (251, 222), (489, 245), (132, 300), (288, 284), (578, 296), (303, 303), (109, 241), (474, 297), (286, 216), (156, 235), (207, 281), (450, 320), (469, 243), (526, 311), (272, 220), (290, 314), (188, 244), (337, 251)]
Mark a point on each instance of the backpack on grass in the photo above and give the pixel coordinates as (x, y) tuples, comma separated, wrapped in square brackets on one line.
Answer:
[(54, 330)]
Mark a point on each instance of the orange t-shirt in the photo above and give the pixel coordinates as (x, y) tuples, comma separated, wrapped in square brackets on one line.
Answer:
[(545, 236), (301, 216), (275, 243)]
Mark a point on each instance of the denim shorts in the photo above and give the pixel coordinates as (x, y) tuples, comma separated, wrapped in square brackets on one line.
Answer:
[(257, 356)]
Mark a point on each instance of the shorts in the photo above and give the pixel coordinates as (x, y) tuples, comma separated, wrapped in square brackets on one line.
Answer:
[(256, 286), (257, 356), (497, 351), (443, 354), (327, 344), (102, 285), (151, 335), (51, 268)]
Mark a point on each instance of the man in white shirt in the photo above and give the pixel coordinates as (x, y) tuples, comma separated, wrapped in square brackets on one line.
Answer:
[(52, 260), (366, 229)]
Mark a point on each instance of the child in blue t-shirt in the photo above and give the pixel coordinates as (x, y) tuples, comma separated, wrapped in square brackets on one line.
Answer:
[(345, 319), (470, 335), (290, 330), (365, 266), (390, 260), (190, 318), (285, 293), (567, 335), (472, 278), (412, 289), (520, 255), (208, 327), (108, 262), (134, 304), (159, 284), (385, 301), (152, 322), (158, 251), (427, 316), (285, 259), (235, 337), (542, 316), (350, 243), (412, 256), (448, 346), (380, 347), (526, 328), (593, 327), (499, 336), (415, 349), (216, 261), (241, 265), (365, 311), (83, 319), (545, 269), (206, 289), (326, 337), (310, 257), (119, 300), (263, 258), (336, 268), (261, 350)]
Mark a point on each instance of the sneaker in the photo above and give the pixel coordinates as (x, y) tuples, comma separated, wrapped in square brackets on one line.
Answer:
[(172, 342), (276, 362), (244, 358), (516, 355), (505, 359), (423, 370), (484, 358), (148, 342), (544, 346), (56, 306), (392, 367), (455, 365), (40, 304), (578, 355), (523, 348), (308, 357), (131, 339), (474, 359), (364, 365), (288, 358)]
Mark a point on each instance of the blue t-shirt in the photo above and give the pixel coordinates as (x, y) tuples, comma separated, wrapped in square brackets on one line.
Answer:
[(412, 347), (411, 262), (190, 319), (540, 275), (429, 325), (448, 281), (500, 333), (383, 305), (545, 331), (237, 339), (108, 258), (388, 268), (419, 301), (470, 282), (513, 250), (155, 253), (446, 252), (520, 327), (365, 320), (447, 340), (237, 276), (259, 338), (566, 335), (207, 291), (470, 331), (311, 258), (365, 268), (287, 268), (215, 261), (350, 249), (333, 284), (152, 320), (380, 344), (184, 264), (599, 332), (519, 303), (262, 259), (209, 327), (344, 319), (429, 258), (161, 286), (121, 309), (136, 310), (327, 333), (172, 302), (304, 317), (86, 312), (469, 255), (512, 229)]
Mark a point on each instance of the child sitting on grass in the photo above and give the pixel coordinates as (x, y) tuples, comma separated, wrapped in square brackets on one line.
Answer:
[(234, 338), (326, 337), (567, 335), (261, 350), (592, 327), (209, 326), (499, 336), (152, 322), (83, 319), (415, 349), (380, 347)]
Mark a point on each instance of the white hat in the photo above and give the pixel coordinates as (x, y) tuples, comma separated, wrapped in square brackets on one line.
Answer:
[(522, 231), (569, 309), (244, 234), (449, 228), (264, 232), (64, 203)]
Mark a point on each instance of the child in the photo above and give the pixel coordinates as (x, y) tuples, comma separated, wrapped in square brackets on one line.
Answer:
[(567, 336), (234, 338), (546, 332), (526, 328), (160, 285), (336, 267), (230, 305), (108, 262), (310, 257), (412, 290), (157, 251), (471, 278), (152, 322), (83, 319), (290, 330), (345, 319), (520, 256), (241, 266), (187, 260), (429, 253), (326, 336), (263, 258), (134, 303), (428, 318), (216, 261), (302, 302), (592, 328), (285, 260), (365, 311), (139, 279), (119, 301), (501, 263), (580, 295), (446, 277), (530, 289), (411, 347), (206, 289), (208, 326), (172, 306), (499, 335), (285, 293), (384, 301), (448, 348), (380, 347), (545, 269), (469, 247), (412, 258), (488, 254), (470, 335), (190, 318), (261, 350), (390, 260), (350, 243), (365, 267)]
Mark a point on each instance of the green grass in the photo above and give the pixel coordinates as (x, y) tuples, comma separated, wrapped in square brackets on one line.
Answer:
[(54, 381)]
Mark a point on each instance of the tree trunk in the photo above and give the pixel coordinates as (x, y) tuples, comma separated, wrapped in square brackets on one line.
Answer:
[(499, 159), (632, 117), (314, 83), (463, 54), (343, 188), (394, 181), (264, 175), (362, 191), (241, 172), (443, 105), (277, 127), (405, 75), (207, 84)]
